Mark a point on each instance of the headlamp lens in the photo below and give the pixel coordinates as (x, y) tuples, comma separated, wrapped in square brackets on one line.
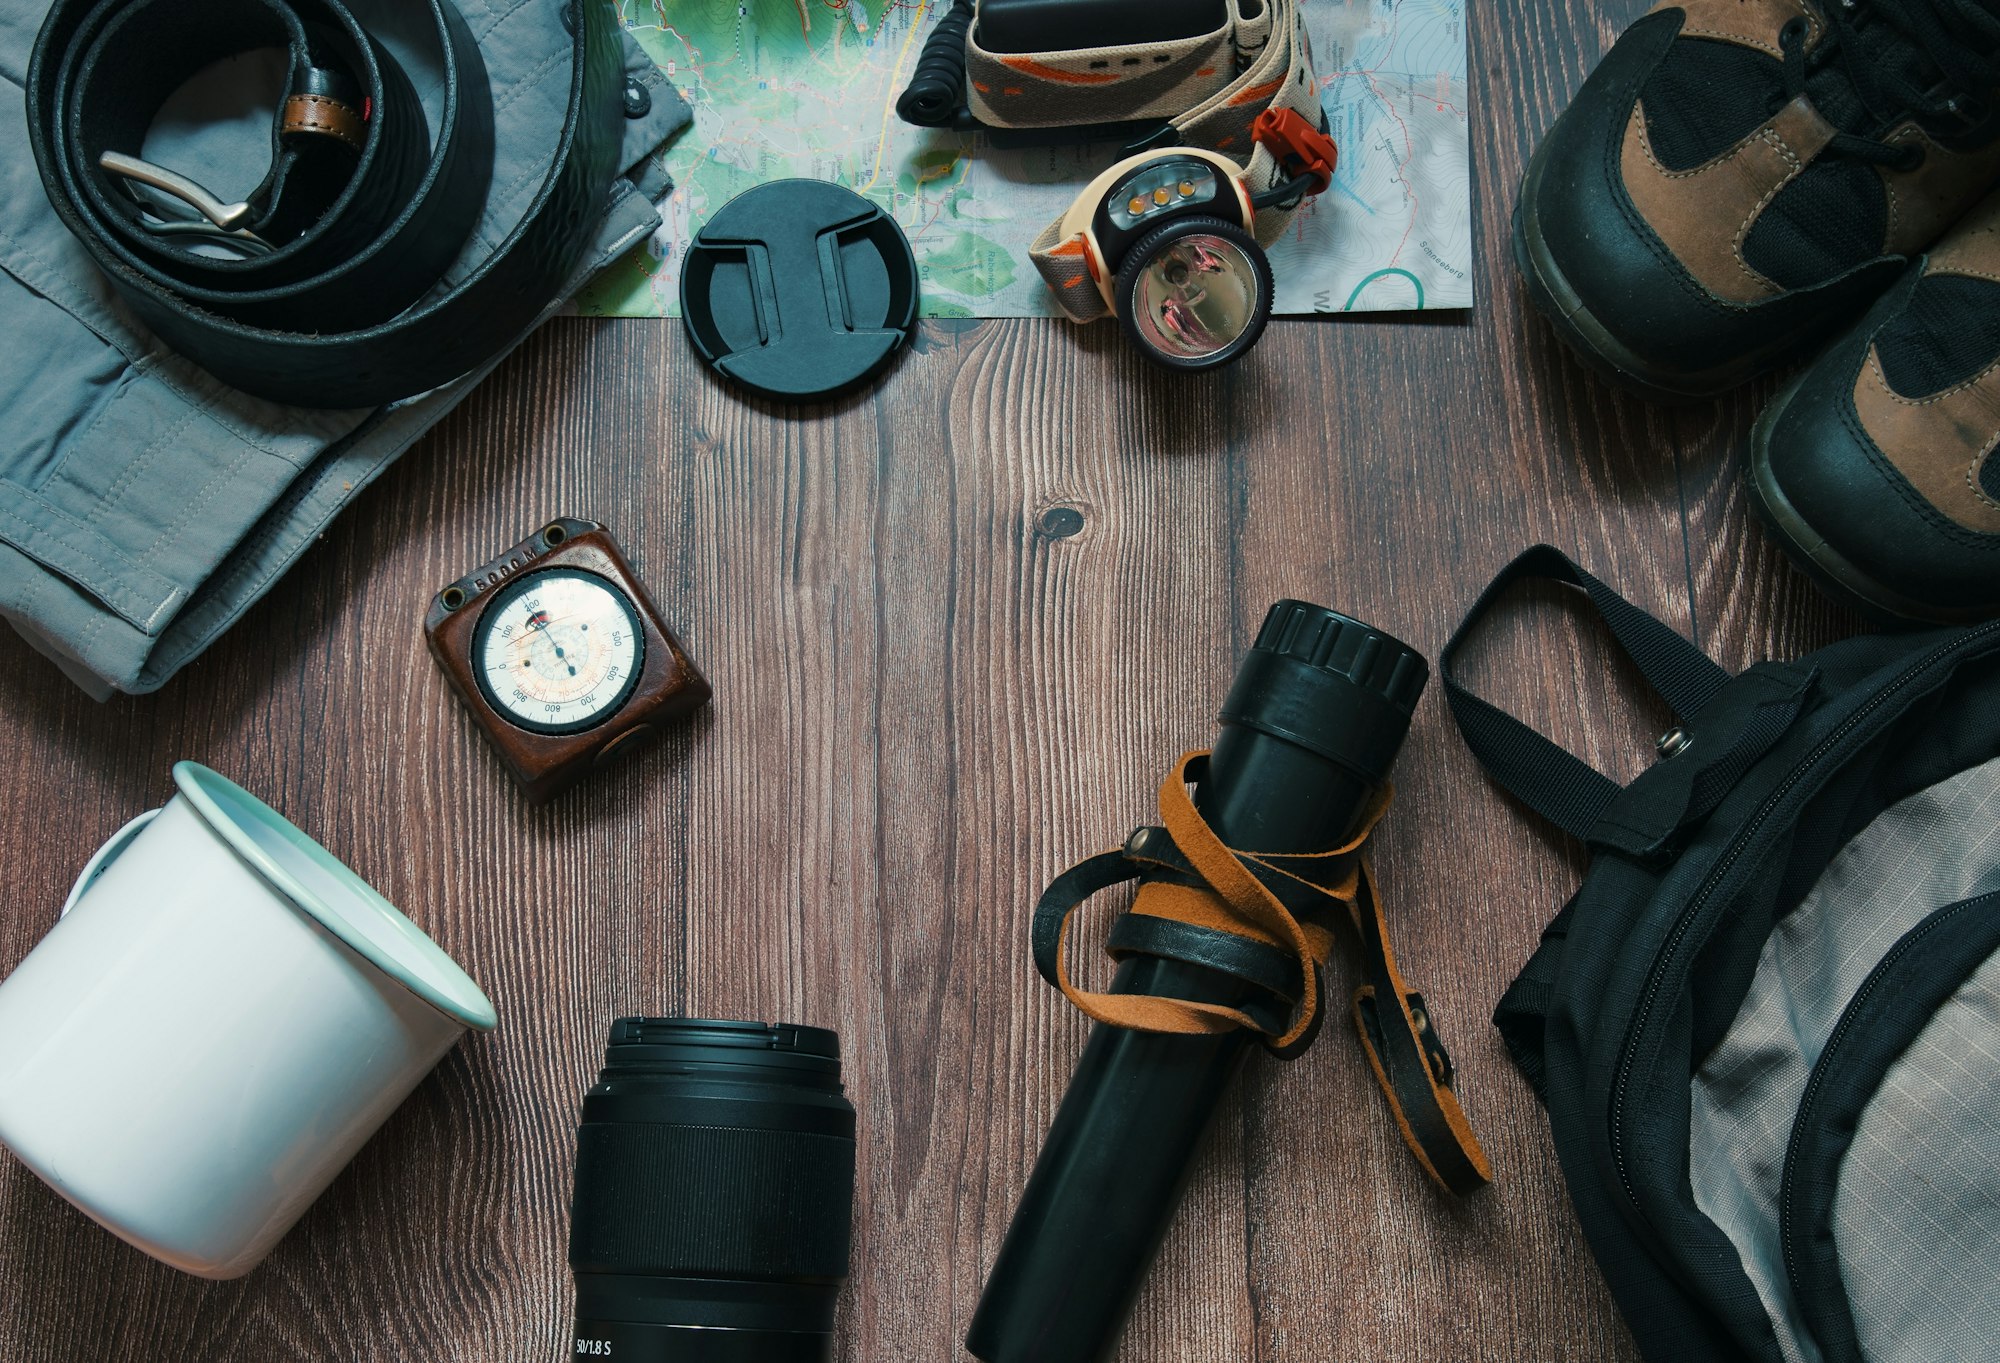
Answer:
[(1196, 296)]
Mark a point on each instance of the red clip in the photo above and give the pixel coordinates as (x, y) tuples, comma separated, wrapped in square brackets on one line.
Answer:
[(1300, 148)]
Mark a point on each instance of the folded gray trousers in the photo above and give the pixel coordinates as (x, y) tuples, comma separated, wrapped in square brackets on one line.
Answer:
[(144, 505)]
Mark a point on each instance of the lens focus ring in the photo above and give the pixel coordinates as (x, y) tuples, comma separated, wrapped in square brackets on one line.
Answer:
[(704, 1200)]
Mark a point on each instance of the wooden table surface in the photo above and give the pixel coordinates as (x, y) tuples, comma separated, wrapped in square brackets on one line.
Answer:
[(926, 706)]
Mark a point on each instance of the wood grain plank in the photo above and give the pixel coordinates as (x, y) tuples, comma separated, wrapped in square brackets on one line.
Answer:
[(926, 706)]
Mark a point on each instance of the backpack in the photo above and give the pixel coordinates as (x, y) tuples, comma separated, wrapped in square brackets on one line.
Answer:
[(1766, 1028)]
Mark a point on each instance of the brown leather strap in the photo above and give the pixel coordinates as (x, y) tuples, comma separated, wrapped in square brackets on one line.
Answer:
[(1273, 900), (1409, 1061)]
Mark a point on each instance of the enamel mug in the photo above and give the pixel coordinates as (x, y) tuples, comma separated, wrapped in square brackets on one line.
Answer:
[(223, 1014)]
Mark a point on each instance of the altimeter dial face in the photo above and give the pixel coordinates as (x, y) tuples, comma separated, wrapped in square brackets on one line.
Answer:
[(558, 651)]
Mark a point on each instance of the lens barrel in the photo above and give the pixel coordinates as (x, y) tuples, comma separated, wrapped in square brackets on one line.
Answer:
[(714, 1194), (1318, 711)]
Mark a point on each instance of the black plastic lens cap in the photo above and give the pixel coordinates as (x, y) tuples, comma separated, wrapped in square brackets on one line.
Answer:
[(799, 288)]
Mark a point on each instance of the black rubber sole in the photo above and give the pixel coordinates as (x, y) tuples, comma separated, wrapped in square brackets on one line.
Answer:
[(1833, 573), (1602, 352)]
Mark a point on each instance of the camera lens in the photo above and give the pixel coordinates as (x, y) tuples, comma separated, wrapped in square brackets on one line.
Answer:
[(1195, 293), (714, 1194)]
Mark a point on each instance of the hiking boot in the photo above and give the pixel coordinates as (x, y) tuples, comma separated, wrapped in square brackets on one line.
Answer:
[(1741, 177), (1876, 467)]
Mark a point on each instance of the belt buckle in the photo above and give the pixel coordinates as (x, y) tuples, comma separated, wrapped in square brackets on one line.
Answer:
[(221, 220)]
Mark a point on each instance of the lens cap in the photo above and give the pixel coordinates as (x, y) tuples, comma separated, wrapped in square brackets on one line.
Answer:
[(799, 288)]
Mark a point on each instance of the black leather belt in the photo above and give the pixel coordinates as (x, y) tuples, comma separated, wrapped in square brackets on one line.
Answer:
[(325, 286)]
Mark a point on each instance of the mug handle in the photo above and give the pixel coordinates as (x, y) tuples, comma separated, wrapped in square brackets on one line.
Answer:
[(102, 858)]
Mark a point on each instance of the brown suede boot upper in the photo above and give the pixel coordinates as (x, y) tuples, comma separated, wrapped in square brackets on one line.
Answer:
[(1704, 214), (1739, 181), (1944, 442)]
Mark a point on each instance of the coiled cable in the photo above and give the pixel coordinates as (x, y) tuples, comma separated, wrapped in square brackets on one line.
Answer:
[(936, 90)]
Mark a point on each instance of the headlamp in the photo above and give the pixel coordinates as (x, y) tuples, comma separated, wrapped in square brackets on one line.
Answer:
[(1166, 237)]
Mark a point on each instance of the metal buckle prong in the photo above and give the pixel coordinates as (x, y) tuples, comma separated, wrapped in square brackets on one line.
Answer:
[(227, 216)]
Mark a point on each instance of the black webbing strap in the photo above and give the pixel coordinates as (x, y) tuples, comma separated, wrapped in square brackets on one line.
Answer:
[(1551, 780)]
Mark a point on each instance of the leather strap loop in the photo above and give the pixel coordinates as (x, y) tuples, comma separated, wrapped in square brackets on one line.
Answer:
[(1245, 958), (323, 116), (1256, 918)]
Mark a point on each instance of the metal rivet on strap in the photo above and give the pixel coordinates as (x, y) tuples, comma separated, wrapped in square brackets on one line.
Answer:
[(1674, 742), (638, 100)]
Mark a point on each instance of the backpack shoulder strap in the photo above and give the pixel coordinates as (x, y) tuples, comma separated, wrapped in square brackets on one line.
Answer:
[(1551, 780)]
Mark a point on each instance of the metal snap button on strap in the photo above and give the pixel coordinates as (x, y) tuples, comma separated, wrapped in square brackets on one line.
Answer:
[(798, 288)]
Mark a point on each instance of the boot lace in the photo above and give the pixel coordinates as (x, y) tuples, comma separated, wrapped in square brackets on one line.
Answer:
[(1936, 59)]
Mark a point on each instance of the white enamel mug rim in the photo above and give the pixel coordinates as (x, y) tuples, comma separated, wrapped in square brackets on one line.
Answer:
[(368, 924)]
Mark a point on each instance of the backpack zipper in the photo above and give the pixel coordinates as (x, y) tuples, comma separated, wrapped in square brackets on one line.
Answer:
[(1656, 976), (1788, 1233)]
